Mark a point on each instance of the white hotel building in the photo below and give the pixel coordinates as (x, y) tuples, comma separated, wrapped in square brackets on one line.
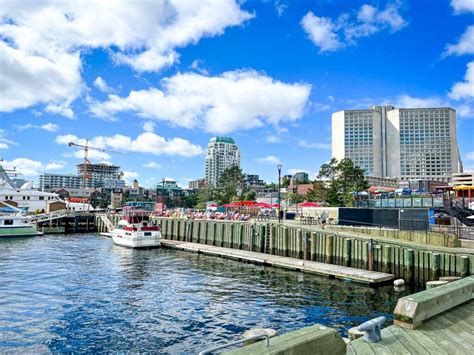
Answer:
[(405, 143), (221, 153)]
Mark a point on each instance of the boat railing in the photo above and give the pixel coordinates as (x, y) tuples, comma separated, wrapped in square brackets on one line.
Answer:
[(237, 342)]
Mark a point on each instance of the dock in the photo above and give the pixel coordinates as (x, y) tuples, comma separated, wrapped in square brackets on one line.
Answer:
[(372, 278)]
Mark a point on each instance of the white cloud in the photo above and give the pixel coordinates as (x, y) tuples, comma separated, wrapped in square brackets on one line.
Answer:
[(462, 5), (322, 32), (280, 7), (465, 44), (270, 159), (129, 176), (146, 142), (101, 84), (50, 127), (4, 142), (149, 126), (408, 101), (29, 167), (41, 42), (305, 144), (4, 146), (152, 165), (469, 156), (330, 35), (273, 138), (197, 66), (464, 89), (222, 104)]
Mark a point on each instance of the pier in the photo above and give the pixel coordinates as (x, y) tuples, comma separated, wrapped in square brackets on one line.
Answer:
[(341, 272), (402, 255)]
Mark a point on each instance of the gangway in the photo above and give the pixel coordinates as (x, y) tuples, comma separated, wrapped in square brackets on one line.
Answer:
[(105, 218), (44, 217)]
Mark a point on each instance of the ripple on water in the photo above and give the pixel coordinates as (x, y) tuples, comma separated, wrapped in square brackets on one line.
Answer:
[(82, 293)]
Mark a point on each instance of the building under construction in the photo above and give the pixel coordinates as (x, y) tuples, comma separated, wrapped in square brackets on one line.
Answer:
[(96, 173)]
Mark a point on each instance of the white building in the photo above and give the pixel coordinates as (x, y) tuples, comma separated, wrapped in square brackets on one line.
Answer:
[(414, 143), (57, 181), (221, 153)]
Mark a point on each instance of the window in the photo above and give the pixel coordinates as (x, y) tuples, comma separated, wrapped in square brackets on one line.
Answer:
[(8, 222), (41, 198)]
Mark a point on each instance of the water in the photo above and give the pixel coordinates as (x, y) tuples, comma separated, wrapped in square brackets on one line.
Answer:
[(82, 293)]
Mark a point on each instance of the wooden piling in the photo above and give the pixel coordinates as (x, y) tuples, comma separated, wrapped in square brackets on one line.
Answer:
[(286, 242), (464, 266), (435, 266), (347, 252), (329, 248), (387, 258), (314, 237), (409, 266)]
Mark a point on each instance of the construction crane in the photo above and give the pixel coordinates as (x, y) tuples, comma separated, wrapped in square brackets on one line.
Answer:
[(86, 149)]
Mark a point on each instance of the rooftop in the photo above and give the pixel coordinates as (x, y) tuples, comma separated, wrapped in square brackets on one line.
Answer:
[(222, 140)]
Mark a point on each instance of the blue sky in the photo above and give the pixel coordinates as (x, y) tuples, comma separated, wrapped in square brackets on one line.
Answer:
[(156, 81)]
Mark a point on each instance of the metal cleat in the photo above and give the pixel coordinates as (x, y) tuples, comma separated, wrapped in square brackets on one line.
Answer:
[(371, 329)]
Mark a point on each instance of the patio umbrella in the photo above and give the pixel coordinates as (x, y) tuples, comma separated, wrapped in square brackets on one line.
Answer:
[(463, 187), (309, 204), (276, 205), (263, 205)]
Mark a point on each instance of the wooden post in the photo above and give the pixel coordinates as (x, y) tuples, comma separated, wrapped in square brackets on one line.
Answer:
[(370, 255), (347, 252), (409, 263), (272, 239), (299, 244), (314, 236), (214, 233), (464, 266), (329, 246), (306, 245), (261, 234), (387, 258), (286, 242), (241, 235), (435, 266)]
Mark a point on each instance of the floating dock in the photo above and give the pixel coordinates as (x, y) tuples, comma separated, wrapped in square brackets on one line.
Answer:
[(341, 272)]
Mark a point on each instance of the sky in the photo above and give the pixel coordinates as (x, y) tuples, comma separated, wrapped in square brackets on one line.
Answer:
[(150, 82)]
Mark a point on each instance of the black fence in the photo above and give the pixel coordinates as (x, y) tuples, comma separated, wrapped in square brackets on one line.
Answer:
[(403, 219)]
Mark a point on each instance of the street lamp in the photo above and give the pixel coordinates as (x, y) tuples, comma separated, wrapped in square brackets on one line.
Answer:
[(163, 194), (279, 193)]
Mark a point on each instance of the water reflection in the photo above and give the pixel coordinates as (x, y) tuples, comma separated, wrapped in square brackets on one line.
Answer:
[(82, 293)]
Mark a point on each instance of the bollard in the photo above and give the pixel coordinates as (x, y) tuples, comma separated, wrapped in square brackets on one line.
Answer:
[(371, 329)]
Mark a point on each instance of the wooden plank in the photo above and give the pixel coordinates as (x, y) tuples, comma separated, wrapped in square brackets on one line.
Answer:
[(455, 328), (449, 340), (426, 342), (407, 339)]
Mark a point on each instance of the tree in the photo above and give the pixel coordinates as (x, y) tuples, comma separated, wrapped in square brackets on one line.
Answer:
[(250, 196), (295, 198), (204, 195), (190, 201), (344, 177), (231, 184), (318, 192)]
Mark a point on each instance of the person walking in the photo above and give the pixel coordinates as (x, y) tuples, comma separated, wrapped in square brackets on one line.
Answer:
[(324, 218)]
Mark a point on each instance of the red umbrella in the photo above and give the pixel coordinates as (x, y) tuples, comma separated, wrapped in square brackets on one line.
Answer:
[(212, 205), (309, 204), (263, 205), (276, 205)]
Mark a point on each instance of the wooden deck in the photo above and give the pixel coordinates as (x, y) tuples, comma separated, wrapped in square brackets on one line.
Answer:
[(341, 272), (451, 332)]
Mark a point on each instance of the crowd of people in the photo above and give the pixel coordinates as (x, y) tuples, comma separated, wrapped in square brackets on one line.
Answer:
[(209, 215)]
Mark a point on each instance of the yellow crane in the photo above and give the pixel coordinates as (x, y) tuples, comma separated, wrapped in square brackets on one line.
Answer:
[(86, 149)]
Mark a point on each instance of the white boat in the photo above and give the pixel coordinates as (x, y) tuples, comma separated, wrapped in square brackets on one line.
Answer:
[(136, 230), (26, 197), (16, 226)]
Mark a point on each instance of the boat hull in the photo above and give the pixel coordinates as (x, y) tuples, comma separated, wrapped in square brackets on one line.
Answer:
[(19, 232), (136, 239)]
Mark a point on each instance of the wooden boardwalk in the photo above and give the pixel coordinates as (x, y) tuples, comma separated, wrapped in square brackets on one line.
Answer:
[(451, 332), (341, 272)]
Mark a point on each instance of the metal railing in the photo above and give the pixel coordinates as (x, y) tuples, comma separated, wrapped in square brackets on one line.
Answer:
[(237, 342)]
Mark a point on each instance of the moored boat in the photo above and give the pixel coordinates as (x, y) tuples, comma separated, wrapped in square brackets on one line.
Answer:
[(136, 230), (16, 226)]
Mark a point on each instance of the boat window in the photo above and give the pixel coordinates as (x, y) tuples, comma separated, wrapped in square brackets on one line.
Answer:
[(8, 222), (41, 198)]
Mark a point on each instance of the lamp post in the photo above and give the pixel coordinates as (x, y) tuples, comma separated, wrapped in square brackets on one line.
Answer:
[(279, 193), (163, 193)]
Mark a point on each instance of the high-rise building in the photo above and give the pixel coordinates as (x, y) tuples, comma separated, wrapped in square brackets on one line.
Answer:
[(221, 154), (197, 184), (98, 172), (301, 177), (58, 181), (406, 143)]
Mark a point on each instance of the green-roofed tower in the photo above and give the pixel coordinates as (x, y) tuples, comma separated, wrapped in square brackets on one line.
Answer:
[(221, 153)]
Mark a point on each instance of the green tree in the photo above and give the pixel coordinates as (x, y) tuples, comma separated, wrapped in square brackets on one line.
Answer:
[(204, 195), (344, 177), (318, 192), (190, 201), (250, 196), (295, 198), (231, 184)]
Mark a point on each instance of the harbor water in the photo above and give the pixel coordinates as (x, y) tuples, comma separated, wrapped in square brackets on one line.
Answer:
[(81, 293)]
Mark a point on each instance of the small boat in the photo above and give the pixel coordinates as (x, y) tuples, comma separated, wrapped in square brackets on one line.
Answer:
[(135, 230), (16, 226)]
